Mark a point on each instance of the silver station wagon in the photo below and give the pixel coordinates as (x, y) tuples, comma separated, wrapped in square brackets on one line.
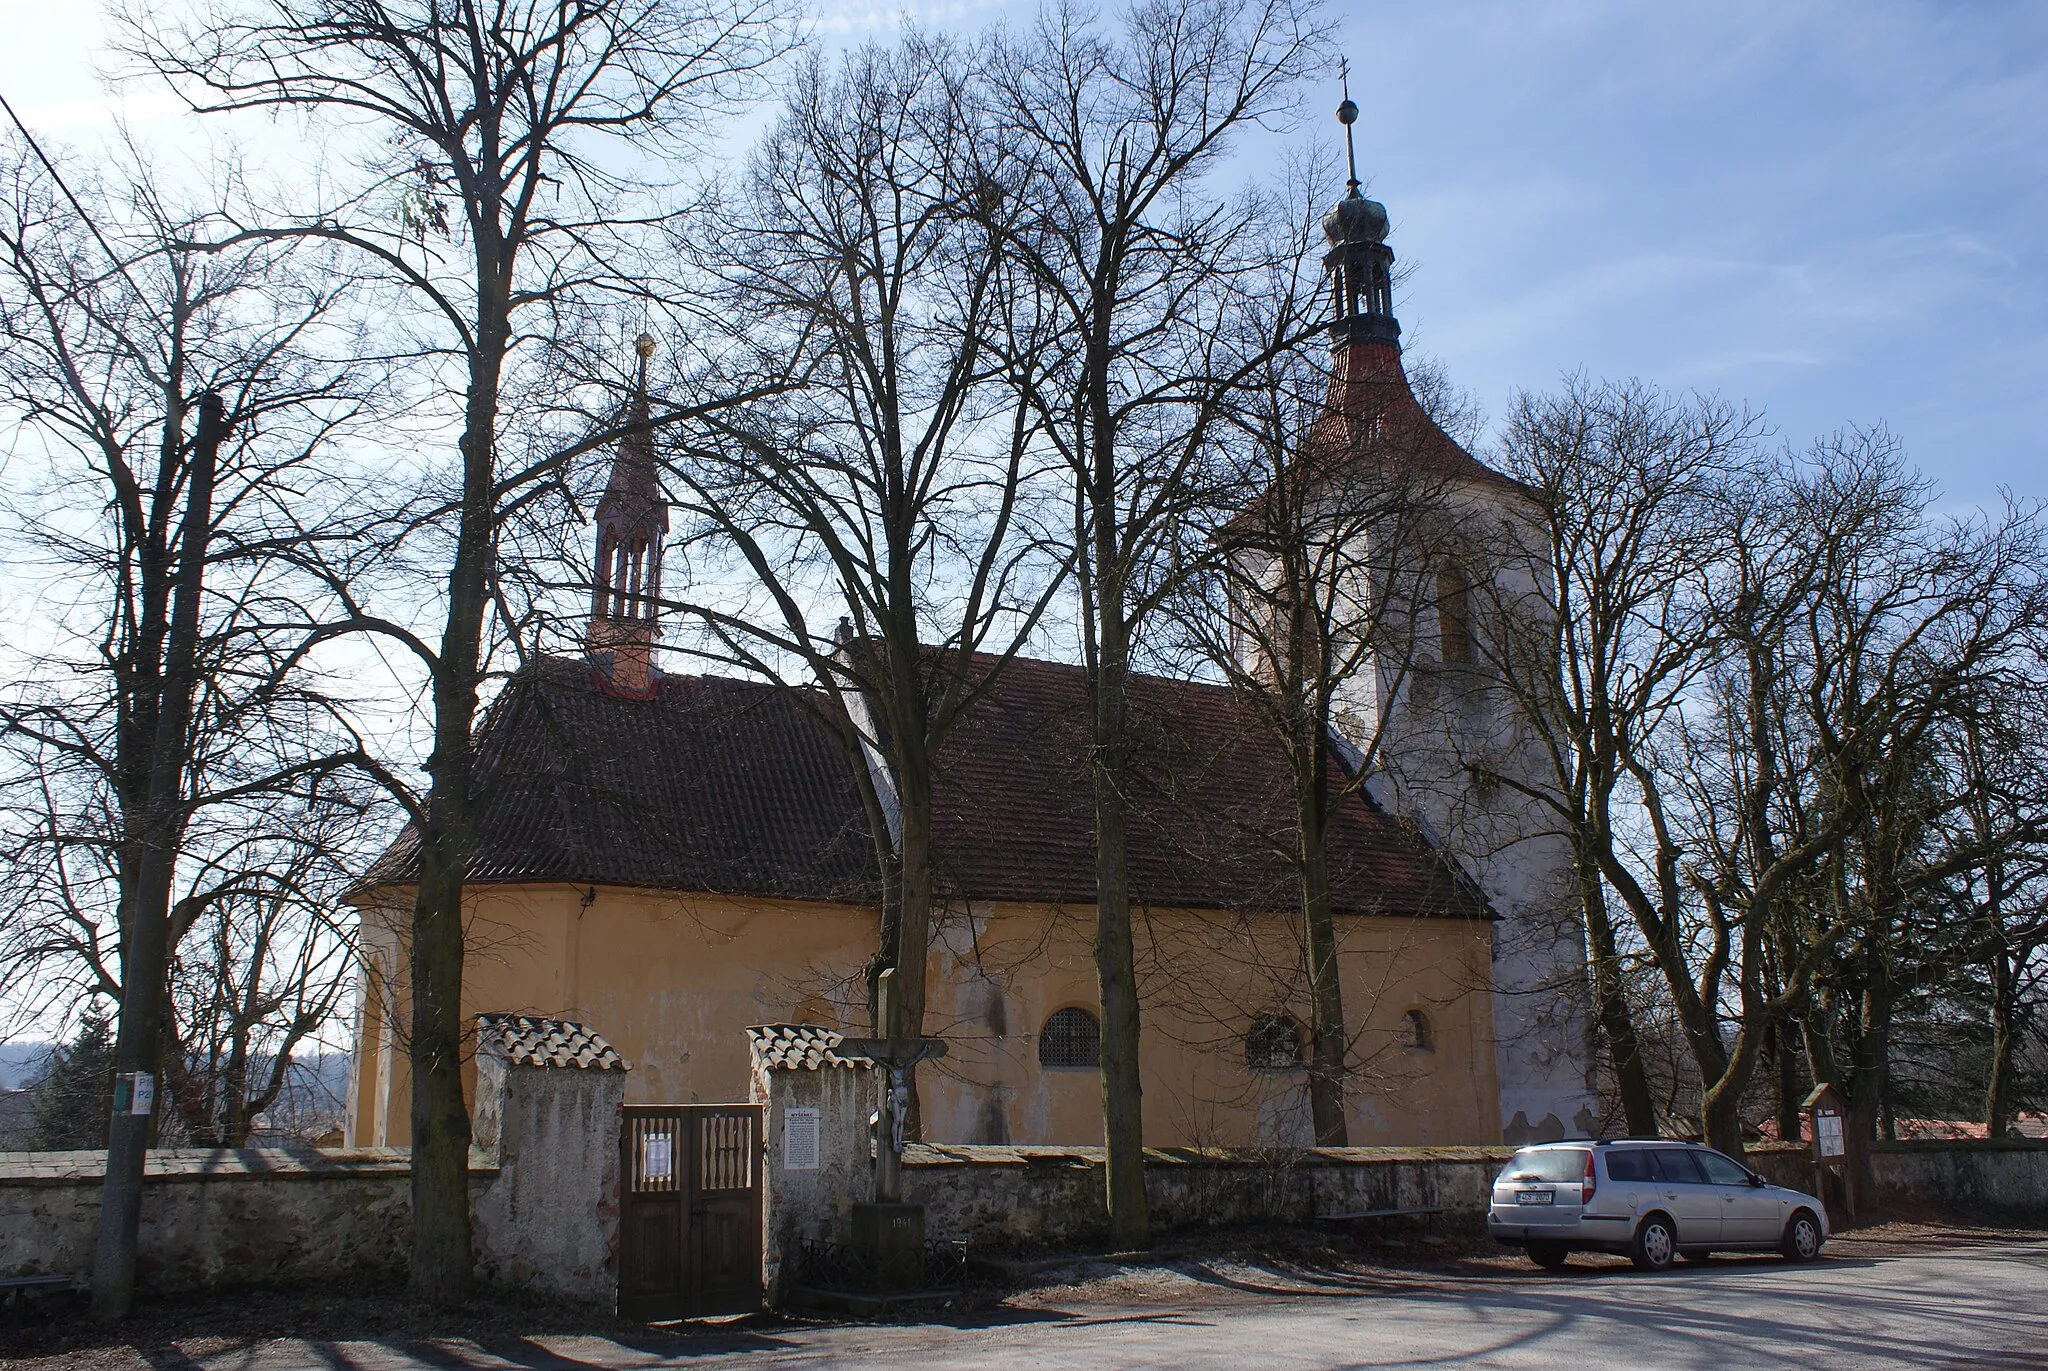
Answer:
[(1651, 1200)]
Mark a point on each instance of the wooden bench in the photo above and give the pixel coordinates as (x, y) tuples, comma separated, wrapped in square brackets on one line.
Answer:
[(14, 1288), (1427, 1213)]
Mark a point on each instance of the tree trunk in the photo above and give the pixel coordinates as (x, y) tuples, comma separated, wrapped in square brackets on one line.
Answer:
[(2004, 1036), (912, 949), (1123, 1127), (1617, 1021), (442, 1259), (145, 919), (1790, 1097), (1326, 987)]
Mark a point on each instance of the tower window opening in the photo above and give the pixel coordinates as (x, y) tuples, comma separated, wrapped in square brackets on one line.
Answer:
[(1415, 1034), (1453, 615), (607, 559)]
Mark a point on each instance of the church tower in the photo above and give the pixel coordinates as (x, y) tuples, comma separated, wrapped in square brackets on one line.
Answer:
[(632, 522), (1448, 734)]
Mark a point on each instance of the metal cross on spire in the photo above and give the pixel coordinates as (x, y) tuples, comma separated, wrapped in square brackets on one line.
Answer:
[(1347, 115)]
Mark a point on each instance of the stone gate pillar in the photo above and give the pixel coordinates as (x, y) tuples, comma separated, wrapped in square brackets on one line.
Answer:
[(815, 1114), (547, 1114)]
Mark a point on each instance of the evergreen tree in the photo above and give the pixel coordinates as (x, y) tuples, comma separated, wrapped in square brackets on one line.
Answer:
[(75, 1094)]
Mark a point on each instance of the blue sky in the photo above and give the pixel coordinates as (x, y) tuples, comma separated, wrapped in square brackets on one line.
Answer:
[(1833, 210), (1836, 211)]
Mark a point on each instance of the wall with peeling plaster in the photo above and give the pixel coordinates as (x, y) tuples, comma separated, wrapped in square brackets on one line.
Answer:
[(671, 981)]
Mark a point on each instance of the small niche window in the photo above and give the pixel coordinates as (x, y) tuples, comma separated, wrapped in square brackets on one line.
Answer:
[(1415, 1034), (1453, 615), (1273, 1044), (1070, 1040)]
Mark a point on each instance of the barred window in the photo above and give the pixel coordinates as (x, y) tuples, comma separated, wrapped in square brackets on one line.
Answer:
[(1070, 1038), (1415, 1031), (1274, 1044)]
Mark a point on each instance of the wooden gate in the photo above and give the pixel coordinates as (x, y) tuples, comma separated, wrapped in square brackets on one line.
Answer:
[(689, 1210)]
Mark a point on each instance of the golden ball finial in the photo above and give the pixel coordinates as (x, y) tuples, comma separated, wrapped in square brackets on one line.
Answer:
[(644, 345)]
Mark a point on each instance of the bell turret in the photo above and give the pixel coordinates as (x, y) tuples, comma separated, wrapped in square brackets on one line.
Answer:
[(1359, 263), (632, 521)]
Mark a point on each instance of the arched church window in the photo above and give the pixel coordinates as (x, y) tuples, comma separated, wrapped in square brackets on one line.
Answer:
[(1273, 1044), (1415, 1034), (1070, 1038), (1453, 615)]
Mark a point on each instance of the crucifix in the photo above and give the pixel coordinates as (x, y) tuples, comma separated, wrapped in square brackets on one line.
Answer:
[(893, 1059)]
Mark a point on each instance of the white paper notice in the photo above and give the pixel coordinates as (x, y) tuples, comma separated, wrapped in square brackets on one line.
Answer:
[(1829, 1127), (144, 1097), (799, 1139), (657, 1163)]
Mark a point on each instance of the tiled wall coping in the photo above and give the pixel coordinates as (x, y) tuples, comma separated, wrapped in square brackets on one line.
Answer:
[(940, 1155), (195, 1164)]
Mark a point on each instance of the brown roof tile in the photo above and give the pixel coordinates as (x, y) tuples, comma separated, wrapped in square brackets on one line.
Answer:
[(714, 784), (736, 787), (527, 1041), (1212, 810), (798, 1047)]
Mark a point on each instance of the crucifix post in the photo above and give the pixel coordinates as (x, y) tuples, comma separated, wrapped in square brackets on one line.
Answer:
[(888, 1232)]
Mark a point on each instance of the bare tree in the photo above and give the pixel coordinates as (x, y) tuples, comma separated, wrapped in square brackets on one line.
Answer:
[(881, 512), (2003, 775), (504, 126), (1134, 259), (1851, 627), (170, 691), (1305, 598), (1624, 479)]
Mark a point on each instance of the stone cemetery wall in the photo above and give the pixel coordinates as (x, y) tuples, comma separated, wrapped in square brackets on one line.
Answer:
[(1963, 1178), (215, 1217), (1030, 1197), (543, 1197)]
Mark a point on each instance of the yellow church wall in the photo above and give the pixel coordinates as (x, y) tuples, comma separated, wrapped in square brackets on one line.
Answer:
[(672, 980)]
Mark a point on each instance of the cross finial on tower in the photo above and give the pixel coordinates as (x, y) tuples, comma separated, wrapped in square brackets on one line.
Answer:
[(1347, 115)]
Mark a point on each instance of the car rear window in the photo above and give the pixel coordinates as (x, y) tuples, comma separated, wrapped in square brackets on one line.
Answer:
[(1547, 1164), (1677, 1165), (1631, 1164)]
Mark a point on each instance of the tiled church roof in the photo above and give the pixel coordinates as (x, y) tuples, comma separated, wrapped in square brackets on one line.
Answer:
[(717, 785), (1212, 807), (735, 787)]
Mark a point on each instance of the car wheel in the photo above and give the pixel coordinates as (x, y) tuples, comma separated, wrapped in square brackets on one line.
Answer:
[(1656, 1244), (1549, 1255), (1802, 1237)]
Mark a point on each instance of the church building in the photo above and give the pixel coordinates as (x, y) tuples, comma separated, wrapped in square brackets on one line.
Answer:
[(669, 859)]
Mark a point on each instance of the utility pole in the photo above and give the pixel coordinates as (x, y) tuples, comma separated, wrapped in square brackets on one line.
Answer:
[(146, 922)]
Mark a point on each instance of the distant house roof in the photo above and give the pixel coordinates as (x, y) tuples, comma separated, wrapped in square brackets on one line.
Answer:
[(525, 1040), (735, 787)]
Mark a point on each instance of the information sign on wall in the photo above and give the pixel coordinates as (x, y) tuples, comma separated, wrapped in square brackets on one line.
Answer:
[(799, 1139)]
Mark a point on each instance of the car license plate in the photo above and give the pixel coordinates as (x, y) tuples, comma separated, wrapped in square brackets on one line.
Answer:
[(1534, 1197)]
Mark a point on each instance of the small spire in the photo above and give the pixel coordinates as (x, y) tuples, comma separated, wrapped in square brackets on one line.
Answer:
[(632, 521), (1347, 115)]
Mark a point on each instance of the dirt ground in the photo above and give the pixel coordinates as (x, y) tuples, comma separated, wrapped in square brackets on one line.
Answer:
[(1210, 1271)]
